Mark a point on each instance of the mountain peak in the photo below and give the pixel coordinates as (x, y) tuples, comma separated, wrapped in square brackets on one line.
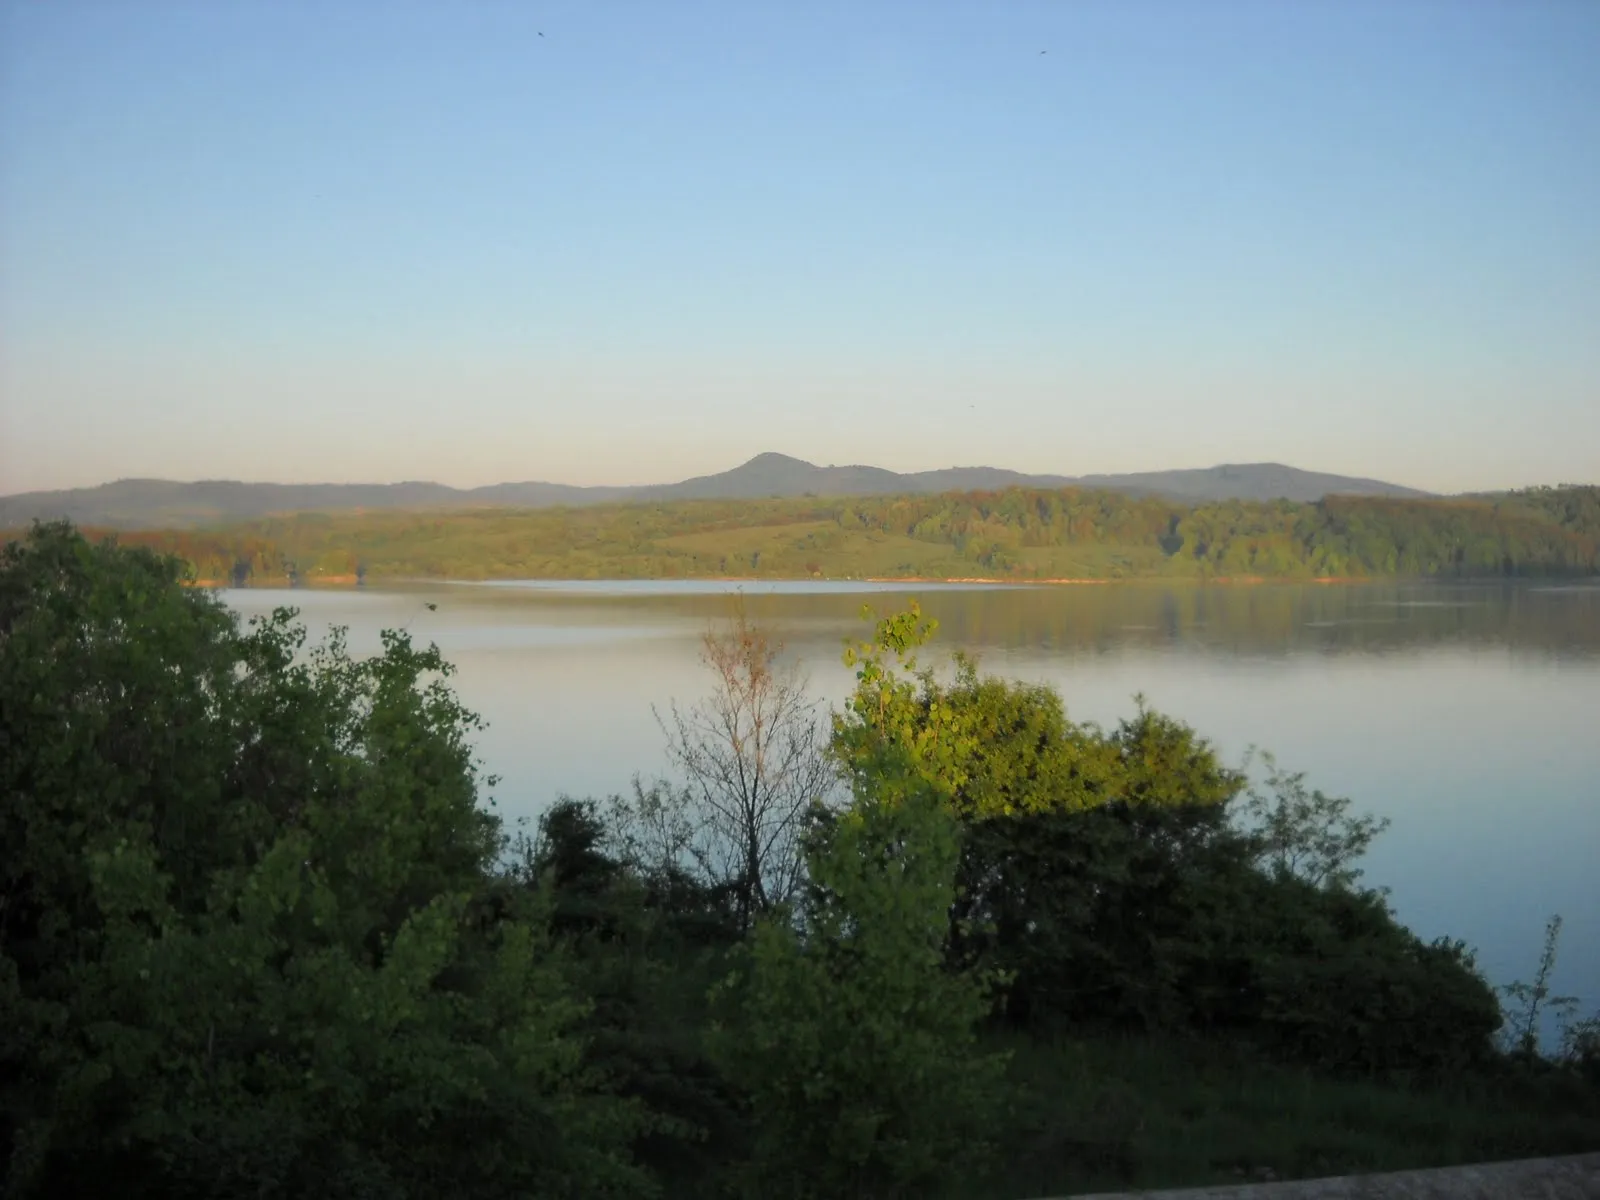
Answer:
[(771, 458)]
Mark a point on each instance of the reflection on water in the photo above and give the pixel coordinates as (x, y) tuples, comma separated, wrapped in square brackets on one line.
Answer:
[(1263, 619), (724, 587), (1466, 714)]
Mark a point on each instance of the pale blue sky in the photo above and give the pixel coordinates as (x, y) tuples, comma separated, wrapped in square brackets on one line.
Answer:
[(337, 241)]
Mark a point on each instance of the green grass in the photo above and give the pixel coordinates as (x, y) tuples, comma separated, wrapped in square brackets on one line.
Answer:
[(1107, 1114)]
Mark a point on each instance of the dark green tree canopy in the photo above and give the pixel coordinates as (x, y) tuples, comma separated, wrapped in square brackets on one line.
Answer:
[(253, 939)]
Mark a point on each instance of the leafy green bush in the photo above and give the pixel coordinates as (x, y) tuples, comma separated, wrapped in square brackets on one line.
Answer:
[(645, 944), (1114, 878), (254, 938), (854, 1042), (1329, 978), (855, 1045)]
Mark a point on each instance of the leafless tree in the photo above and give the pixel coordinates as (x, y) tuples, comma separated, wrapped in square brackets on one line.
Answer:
[(752, 759)]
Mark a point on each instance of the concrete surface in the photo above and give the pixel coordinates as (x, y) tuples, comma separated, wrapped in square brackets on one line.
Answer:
[(1573, 1178)]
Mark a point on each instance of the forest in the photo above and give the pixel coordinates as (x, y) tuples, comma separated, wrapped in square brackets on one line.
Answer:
[(1018, 534), (263, 934)]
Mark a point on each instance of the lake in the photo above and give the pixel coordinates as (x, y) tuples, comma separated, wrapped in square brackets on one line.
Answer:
[(1469, 715)]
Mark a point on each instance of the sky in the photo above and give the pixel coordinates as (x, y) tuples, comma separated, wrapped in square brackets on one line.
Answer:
[(477, 241)]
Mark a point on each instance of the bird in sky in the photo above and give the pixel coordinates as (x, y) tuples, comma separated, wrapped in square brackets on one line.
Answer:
[(432, 607)]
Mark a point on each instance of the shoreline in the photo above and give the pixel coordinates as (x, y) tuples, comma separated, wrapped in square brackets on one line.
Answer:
[(350, 581)]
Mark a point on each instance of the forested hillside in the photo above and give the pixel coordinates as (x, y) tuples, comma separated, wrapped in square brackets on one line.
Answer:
[(1020, 533), (1572, 507)]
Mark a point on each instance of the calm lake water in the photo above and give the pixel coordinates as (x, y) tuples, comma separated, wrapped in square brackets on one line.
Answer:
[(1468, 715)]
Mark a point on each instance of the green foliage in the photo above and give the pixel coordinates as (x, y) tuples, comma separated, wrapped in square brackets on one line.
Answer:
[(1020, 533), (852, 1039), (1326, 977), (645, 943), (1305, 833), (1085, 911), (258, 936), (1572, 506), (1108, 877), (1157, 918), (1526, 1003), (891, 730), (855, 1045), (253, 937)]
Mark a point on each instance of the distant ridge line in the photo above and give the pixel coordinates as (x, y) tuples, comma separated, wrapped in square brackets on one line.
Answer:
[(155, 503)]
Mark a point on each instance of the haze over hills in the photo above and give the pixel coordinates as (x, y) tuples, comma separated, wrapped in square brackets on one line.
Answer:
[(156, 503)]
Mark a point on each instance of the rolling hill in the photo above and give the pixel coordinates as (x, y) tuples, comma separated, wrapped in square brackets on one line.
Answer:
[(159, 503)]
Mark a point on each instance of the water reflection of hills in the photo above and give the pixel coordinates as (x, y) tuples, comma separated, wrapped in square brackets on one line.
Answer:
[(1562, 621)]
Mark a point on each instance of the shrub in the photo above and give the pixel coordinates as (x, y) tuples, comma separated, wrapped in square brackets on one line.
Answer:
[(855, 1045), (254, 939)]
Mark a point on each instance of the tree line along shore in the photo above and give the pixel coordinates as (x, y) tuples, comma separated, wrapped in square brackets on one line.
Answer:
[(1021, 534)]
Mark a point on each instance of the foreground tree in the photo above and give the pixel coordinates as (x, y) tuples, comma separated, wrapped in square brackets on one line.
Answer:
[(853, 1041), (753, 761), (253, 940), (856, 1047)]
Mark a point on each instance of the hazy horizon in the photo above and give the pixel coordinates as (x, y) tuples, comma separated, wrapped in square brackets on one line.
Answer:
[(475, 244)]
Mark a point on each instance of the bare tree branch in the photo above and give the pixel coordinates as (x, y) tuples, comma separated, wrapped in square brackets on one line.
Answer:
[(752, 759)]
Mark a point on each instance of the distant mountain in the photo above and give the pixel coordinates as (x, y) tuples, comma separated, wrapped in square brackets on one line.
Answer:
[(1244, 481), (779, 475), (160, 503)]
